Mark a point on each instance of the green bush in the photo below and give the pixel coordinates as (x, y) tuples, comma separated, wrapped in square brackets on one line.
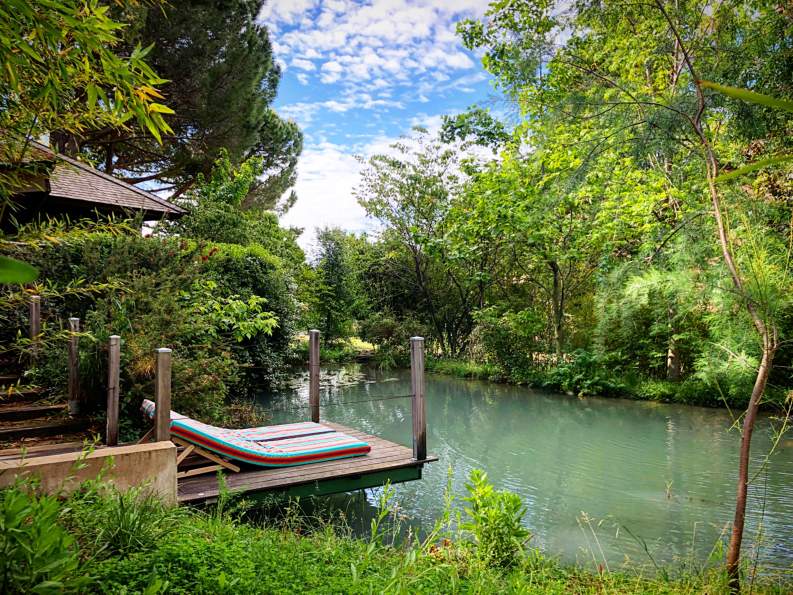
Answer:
[(392, 336), (584, 374), (36, 554), (494, 520), (108, 522), (508, 339), (227, 312)]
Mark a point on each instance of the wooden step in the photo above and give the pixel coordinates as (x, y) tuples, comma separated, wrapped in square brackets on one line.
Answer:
[(8, 378), (19, 412), (15, 431), (22, 395)]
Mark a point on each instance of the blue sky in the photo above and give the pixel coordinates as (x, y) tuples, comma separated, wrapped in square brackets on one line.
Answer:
[(357, 76)]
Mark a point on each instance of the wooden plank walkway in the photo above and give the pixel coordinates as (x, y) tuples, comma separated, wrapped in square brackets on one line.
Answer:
[(387, 461)]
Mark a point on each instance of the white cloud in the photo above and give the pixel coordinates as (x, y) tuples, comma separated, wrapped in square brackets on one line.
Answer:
[(389, 41), (328, 174), (303, 64)]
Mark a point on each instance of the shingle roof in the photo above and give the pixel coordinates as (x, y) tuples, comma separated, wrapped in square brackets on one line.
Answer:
[(78, 181)]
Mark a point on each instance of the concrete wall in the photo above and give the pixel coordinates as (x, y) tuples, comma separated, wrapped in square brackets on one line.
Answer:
[(133, 465)]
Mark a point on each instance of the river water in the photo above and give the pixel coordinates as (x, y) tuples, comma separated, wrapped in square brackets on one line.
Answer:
[(605, 481)]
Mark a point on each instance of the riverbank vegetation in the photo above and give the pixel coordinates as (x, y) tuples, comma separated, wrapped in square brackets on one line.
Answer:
[(620, 226), (103, 541), (576, 247)]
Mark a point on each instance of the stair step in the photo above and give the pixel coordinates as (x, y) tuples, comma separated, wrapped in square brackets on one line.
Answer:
[(20, 412), (8, 378), (44, 428), (24, 395)]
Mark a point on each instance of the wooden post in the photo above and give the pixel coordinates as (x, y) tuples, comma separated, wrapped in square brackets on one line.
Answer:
[(113, 365), (162, 395), (313, 374), (35, 323), (74, 366), (417, 387)]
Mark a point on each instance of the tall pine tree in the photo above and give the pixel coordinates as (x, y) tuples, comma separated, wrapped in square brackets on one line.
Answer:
[(223, 80)]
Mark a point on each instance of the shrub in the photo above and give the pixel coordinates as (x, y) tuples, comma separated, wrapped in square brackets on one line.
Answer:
[(494, 520), (584, 374), (392, 337), (227, 311), (109, 522), (508, 339), (36, 554)]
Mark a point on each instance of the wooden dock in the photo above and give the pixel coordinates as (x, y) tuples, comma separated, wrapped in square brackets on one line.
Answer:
[(197, 482), (387, 461)]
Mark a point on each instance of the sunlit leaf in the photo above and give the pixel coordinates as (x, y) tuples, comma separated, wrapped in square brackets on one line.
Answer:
[(16, 271), (754, 167), (750, 96)]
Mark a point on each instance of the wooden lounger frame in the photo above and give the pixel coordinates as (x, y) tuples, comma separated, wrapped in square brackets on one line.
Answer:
[(189, 448)]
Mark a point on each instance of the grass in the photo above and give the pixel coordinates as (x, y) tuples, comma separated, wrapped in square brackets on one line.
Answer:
[(131, 544), (465, 369), (340, 352), (593, 382)]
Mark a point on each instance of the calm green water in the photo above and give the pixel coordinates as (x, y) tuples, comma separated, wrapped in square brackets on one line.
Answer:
[(663, 473)]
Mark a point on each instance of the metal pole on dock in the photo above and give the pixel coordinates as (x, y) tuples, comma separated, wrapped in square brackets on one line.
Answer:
[(35, 323), (417, 388), (113, 368), (162, 395), (74, 366), (313, 374)]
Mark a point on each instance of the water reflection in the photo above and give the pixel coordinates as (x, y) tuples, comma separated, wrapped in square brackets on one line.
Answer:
[(647, 473)]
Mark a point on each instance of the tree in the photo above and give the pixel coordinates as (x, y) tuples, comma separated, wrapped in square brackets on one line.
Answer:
[(412, 191), (60, 69), (632, 75), (335, 278), (222, 81), (216, 213)]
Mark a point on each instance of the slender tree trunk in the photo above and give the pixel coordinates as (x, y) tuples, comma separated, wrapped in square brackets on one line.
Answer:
[(557, 298), (673, 364), (736, 537)]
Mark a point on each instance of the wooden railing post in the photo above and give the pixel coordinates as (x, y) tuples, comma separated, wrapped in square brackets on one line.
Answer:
[(313, 374), (74, 366), (35, 323), (417, 388), (162, 395), (113, 368)]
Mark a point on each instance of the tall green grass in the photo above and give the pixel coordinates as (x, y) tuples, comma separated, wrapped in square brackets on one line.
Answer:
[(109, 542)]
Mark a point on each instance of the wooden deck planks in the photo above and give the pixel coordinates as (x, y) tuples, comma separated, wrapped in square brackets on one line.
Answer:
[(384, 456)]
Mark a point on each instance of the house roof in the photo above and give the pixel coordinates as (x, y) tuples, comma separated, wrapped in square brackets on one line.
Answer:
[(73, 180)]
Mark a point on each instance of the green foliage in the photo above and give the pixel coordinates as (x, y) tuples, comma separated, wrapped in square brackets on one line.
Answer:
[(228, 315), (476, 125), (223, 79), (36, 554), (161, 550), (422, 274), (494, 520), (108, 522), (16, 271), (583, 374), (219, 211), (509, 339), (59, 72), (336, 284), (225, 310)]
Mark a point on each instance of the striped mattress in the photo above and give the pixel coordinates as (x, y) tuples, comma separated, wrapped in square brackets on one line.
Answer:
[(269, 446)]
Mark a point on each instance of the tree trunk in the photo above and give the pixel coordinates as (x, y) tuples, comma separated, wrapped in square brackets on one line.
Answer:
[(673, 363), (734, 549), (557, 298)]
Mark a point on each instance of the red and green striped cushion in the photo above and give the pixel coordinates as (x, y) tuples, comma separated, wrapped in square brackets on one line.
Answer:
[(269, 446)]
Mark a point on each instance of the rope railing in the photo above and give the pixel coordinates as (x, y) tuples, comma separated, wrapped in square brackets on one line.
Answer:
[(297, 408)]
